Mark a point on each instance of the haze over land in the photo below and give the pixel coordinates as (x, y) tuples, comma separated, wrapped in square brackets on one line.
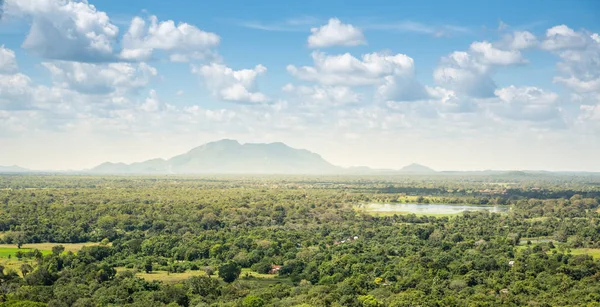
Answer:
[(83, 82), (232, 157)]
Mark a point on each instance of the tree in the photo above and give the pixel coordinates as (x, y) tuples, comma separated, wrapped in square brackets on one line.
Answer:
[(26, 269), (204, 286), (262, 267), (58, 249), (253, 301), (148, 265), (229, 272)]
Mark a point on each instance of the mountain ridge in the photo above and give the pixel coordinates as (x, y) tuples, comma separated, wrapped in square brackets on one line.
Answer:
[(229, 157)]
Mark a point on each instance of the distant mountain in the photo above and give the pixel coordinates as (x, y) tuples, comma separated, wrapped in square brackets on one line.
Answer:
[(227, 157), (13, 169), (416, 169)]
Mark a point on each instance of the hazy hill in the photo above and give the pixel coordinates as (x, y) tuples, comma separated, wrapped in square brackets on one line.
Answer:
[(417, 169), (13, 169), (229, 156)]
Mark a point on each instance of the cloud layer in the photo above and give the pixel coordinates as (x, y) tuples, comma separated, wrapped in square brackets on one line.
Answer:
[(104, 83)]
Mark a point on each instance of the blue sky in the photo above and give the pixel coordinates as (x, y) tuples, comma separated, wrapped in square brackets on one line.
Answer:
[(450, 84)]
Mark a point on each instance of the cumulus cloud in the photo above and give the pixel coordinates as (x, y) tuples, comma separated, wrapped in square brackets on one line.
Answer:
[(335, 33), (101, 78), (563, 37), (392, 74), (488, 54), (401, 88), (347, 70), (13, 88), (521, 40), (461, 72), (8, 62), (579, 51), (232, 85), (469, 72), (318, 96), (183, 41), (65, 29), (527, 103)]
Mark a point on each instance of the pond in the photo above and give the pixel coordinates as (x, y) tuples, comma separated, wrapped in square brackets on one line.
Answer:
[(426, 209)]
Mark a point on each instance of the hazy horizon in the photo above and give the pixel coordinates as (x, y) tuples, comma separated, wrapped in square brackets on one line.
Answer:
[(166, 157), (464, 87)]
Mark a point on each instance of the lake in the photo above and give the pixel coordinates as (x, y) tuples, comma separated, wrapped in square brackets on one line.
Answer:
[(426, 209)]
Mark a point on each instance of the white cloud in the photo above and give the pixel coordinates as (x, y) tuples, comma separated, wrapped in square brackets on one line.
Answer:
[(462, 73), (520, 40), (8, 62), (152, 103), (393, 74), (579, 51), (318, 96), (469, 72), (490, 55), (65, 29), (401, 88), (347, 70), (563, 37), (335, 33), (182, 41), (12, 90), (101, 78), (232, 85), (527, 103)]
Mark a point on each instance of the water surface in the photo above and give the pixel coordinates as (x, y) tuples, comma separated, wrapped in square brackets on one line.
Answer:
[(430, 208)]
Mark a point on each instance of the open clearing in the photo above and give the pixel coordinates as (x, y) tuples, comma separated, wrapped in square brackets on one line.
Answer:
[(45, 248), (166, 277), (594, 252)]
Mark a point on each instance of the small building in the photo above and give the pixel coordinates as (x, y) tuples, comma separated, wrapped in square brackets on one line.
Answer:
[(511, 263)]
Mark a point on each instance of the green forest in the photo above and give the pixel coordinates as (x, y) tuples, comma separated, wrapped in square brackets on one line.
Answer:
[(298, 241)]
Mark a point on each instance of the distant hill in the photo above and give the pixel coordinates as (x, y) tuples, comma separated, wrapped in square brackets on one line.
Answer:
[(13, 169), (228, 157), (416, 169)]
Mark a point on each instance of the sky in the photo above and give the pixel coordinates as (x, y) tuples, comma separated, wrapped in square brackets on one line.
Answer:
[(454, 85)]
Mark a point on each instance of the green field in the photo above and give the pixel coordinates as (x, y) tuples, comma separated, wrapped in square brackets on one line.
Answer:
[(5, 252), (164, 276), (594, 252), (45, 248)]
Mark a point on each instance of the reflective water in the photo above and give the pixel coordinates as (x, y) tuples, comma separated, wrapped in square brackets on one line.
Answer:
[(430, 208)]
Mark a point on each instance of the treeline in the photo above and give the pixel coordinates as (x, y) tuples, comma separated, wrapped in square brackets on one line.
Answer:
[(325, 252)]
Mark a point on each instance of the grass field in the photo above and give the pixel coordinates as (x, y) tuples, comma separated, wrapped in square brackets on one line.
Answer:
[(5, 252), (15, 264), (166, 277), (45, 248), (594, 252)]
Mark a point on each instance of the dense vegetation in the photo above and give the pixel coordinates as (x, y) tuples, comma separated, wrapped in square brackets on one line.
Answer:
[(228, 234)]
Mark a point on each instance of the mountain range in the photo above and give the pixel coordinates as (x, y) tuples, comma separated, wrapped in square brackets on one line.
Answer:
[(13, 169), (230, 157)]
